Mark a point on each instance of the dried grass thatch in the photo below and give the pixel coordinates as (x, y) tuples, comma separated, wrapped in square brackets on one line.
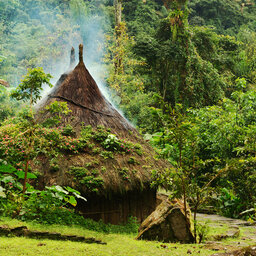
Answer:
[(87, 103), (89, 106)]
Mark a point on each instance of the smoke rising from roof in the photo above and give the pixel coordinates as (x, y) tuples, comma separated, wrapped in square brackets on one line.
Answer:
[(89, 32), (42, 33)]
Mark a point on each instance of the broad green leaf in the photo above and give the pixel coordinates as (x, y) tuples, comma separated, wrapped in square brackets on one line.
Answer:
[(69, 189), (72, 200), (7, 168), (21, 175)]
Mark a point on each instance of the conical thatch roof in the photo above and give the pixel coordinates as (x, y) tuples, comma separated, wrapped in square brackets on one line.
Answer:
[(120, 172), (84, 98)]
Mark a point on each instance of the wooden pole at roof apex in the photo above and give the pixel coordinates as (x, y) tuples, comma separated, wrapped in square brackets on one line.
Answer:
[(81, 52)]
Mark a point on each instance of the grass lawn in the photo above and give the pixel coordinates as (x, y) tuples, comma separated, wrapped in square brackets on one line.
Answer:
[(117, 244)]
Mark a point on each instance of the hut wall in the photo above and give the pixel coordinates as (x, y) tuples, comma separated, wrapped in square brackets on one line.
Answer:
[(118, 208)]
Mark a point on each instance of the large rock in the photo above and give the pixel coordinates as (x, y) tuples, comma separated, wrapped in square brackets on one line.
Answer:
[(167, 224)]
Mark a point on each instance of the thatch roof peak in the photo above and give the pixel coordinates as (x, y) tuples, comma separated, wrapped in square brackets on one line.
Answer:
[(88, 105), (81, 52)]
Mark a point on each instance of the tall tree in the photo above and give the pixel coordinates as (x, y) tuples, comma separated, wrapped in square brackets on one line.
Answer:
[(29, 90), (119, 31), (118, 12), (179, 73)]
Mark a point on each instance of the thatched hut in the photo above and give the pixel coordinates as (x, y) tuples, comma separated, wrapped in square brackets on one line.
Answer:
[(116, 184)]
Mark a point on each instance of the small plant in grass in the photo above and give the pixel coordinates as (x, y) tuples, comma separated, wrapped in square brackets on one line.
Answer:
[(95, 162), (137, 146), (50, 206), (139, 152), (203, 230), (46, 206), (88, 178), (132, 160)]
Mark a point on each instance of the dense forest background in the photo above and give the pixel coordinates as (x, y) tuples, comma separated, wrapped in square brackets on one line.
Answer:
[(183, 72)]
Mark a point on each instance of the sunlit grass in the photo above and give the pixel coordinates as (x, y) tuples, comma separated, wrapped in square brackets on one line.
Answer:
[(117, 244)]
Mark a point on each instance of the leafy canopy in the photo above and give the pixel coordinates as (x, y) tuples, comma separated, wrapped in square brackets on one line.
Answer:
[(31, 86)]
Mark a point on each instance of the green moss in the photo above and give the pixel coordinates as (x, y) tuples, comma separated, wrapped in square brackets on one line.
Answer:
[(137, 146), (103, 169), (132, 160), (107, 154), (92, 183), (124, 172), (94, 172), (96, 150), (54, 165), (92, 164), (78, 171), (108, 141), (146, 166), (68, 130), (139, 152), (95, 162), (100, 134), (89, 165), (87, 178), (90, 145)]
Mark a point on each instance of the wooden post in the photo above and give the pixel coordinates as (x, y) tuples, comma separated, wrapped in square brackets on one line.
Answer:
[(81, 52)]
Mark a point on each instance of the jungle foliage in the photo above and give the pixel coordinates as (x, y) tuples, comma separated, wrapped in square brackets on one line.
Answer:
[(182, 71)]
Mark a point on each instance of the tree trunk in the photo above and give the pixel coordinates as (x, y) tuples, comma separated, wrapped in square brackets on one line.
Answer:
[(118, 30), (195, 221), (118, 12)]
